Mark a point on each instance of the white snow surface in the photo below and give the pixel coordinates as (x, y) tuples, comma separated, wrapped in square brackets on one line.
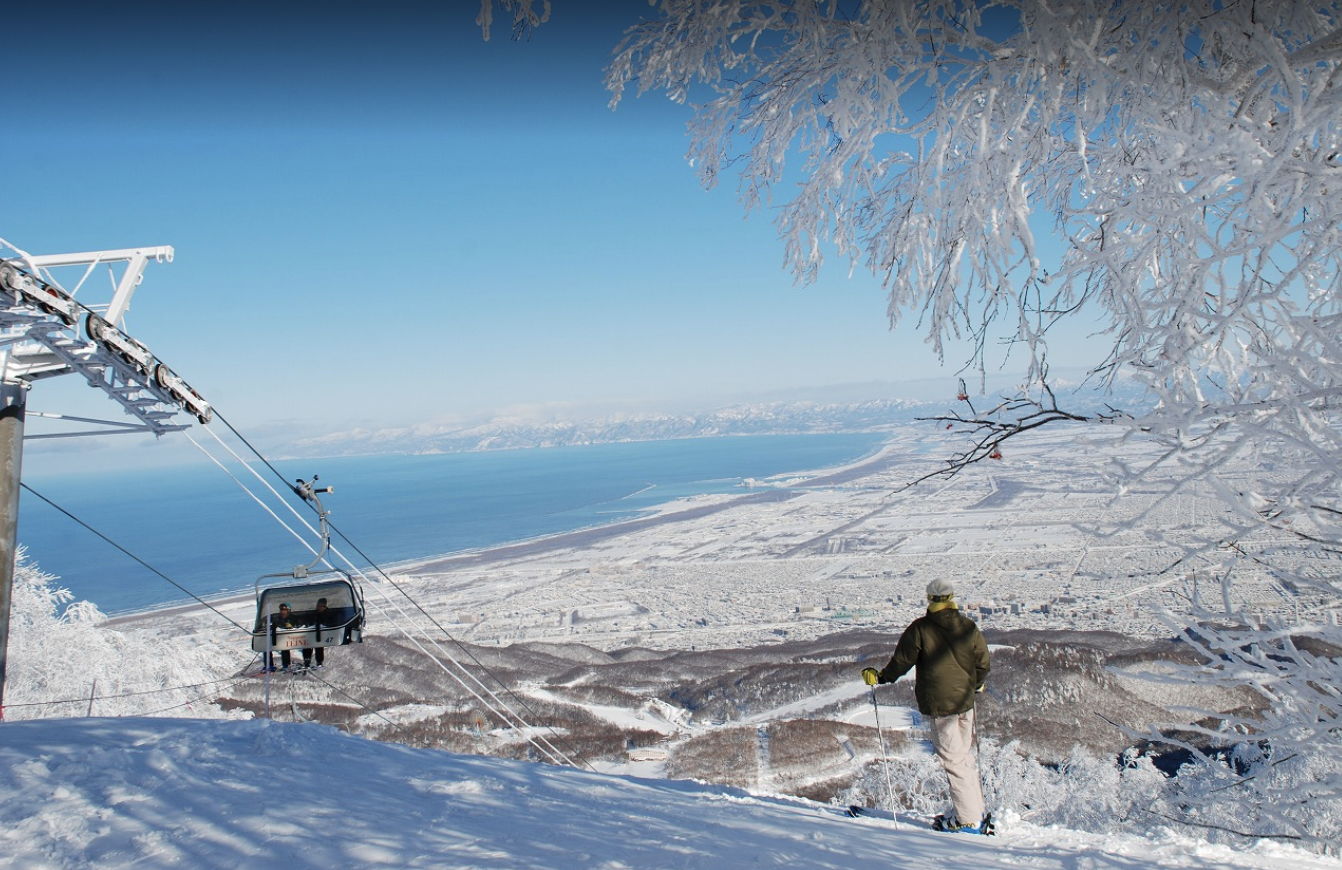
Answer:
[(160, 793)]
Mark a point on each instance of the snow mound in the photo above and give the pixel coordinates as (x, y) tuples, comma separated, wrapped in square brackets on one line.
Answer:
[(160, 793)]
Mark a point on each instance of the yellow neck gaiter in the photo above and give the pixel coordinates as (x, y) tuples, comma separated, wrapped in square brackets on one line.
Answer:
[(934, 605)]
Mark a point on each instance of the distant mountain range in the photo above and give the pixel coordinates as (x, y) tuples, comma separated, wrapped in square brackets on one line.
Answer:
[(503, 433), (754, 418)]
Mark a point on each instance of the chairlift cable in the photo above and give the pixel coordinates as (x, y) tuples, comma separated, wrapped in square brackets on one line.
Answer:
[(521, 701), (336, 688), (244, 488), (553, 752), (499, 707), (190, 701), (304, 541), (512, 694), (257, 453), (502, 711), (133, 556), (85, 699)]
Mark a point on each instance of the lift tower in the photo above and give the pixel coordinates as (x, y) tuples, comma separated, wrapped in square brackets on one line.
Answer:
[(47, 331)]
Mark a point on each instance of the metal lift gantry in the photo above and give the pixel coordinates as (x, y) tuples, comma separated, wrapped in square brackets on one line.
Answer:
[(47, 331)]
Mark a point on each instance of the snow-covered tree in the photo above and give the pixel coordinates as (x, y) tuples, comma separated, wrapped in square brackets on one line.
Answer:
[(1278, 765), (1085, 793), (1168, 175), (64, 662), (1168, 172)]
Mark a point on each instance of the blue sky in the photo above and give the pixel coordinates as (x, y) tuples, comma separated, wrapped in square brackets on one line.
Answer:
[(384, 219)]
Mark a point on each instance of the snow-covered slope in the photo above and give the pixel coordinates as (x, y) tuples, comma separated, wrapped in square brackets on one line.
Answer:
[(160, 793)]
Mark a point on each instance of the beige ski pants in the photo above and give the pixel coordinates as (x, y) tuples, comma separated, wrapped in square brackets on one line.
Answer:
[(953, 737)]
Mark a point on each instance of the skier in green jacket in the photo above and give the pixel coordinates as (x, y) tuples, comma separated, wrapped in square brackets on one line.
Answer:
[(951, 660)]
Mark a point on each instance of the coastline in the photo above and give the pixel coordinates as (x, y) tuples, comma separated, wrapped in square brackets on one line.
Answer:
[(666, 513), (658, 515)]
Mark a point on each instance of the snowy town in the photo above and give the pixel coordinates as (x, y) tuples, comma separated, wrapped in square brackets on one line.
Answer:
[(1030, 547)]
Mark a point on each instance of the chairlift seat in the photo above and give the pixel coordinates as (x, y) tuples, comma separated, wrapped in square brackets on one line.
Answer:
[(342, 624)]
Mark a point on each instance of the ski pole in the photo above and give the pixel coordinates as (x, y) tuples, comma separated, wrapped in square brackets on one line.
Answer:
[(987, 825), (885, 758), (975, 720)]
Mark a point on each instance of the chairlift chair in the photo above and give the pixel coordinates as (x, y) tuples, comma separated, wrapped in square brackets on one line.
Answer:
[(342, 624), (343, 620)]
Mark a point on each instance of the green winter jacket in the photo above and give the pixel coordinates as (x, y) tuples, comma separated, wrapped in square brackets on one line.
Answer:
[(951, 656)]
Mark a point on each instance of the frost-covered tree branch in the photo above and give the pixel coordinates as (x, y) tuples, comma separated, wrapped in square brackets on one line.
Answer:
[(1170, 171), (525, 16), (984, 433), (1282, 752), (1168, 176)]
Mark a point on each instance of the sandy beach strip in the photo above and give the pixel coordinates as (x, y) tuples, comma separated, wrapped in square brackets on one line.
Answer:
[(582, 538), (575, 540)]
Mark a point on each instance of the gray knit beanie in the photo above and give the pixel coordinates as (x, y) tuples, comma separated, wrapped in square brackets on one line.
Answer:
[(940, 588)]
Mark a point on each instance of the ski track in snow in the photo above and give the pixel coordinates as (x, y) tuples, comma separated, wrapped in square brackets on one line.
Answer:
[(166, 793)]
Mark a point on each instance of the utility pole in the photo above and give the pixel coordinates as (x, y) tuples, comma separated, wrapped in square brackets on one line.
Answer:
[(13, 399)]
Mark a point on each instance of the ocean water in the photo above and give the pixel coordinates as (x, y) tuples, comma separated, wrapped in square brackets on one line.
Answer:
[(197, 527)]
